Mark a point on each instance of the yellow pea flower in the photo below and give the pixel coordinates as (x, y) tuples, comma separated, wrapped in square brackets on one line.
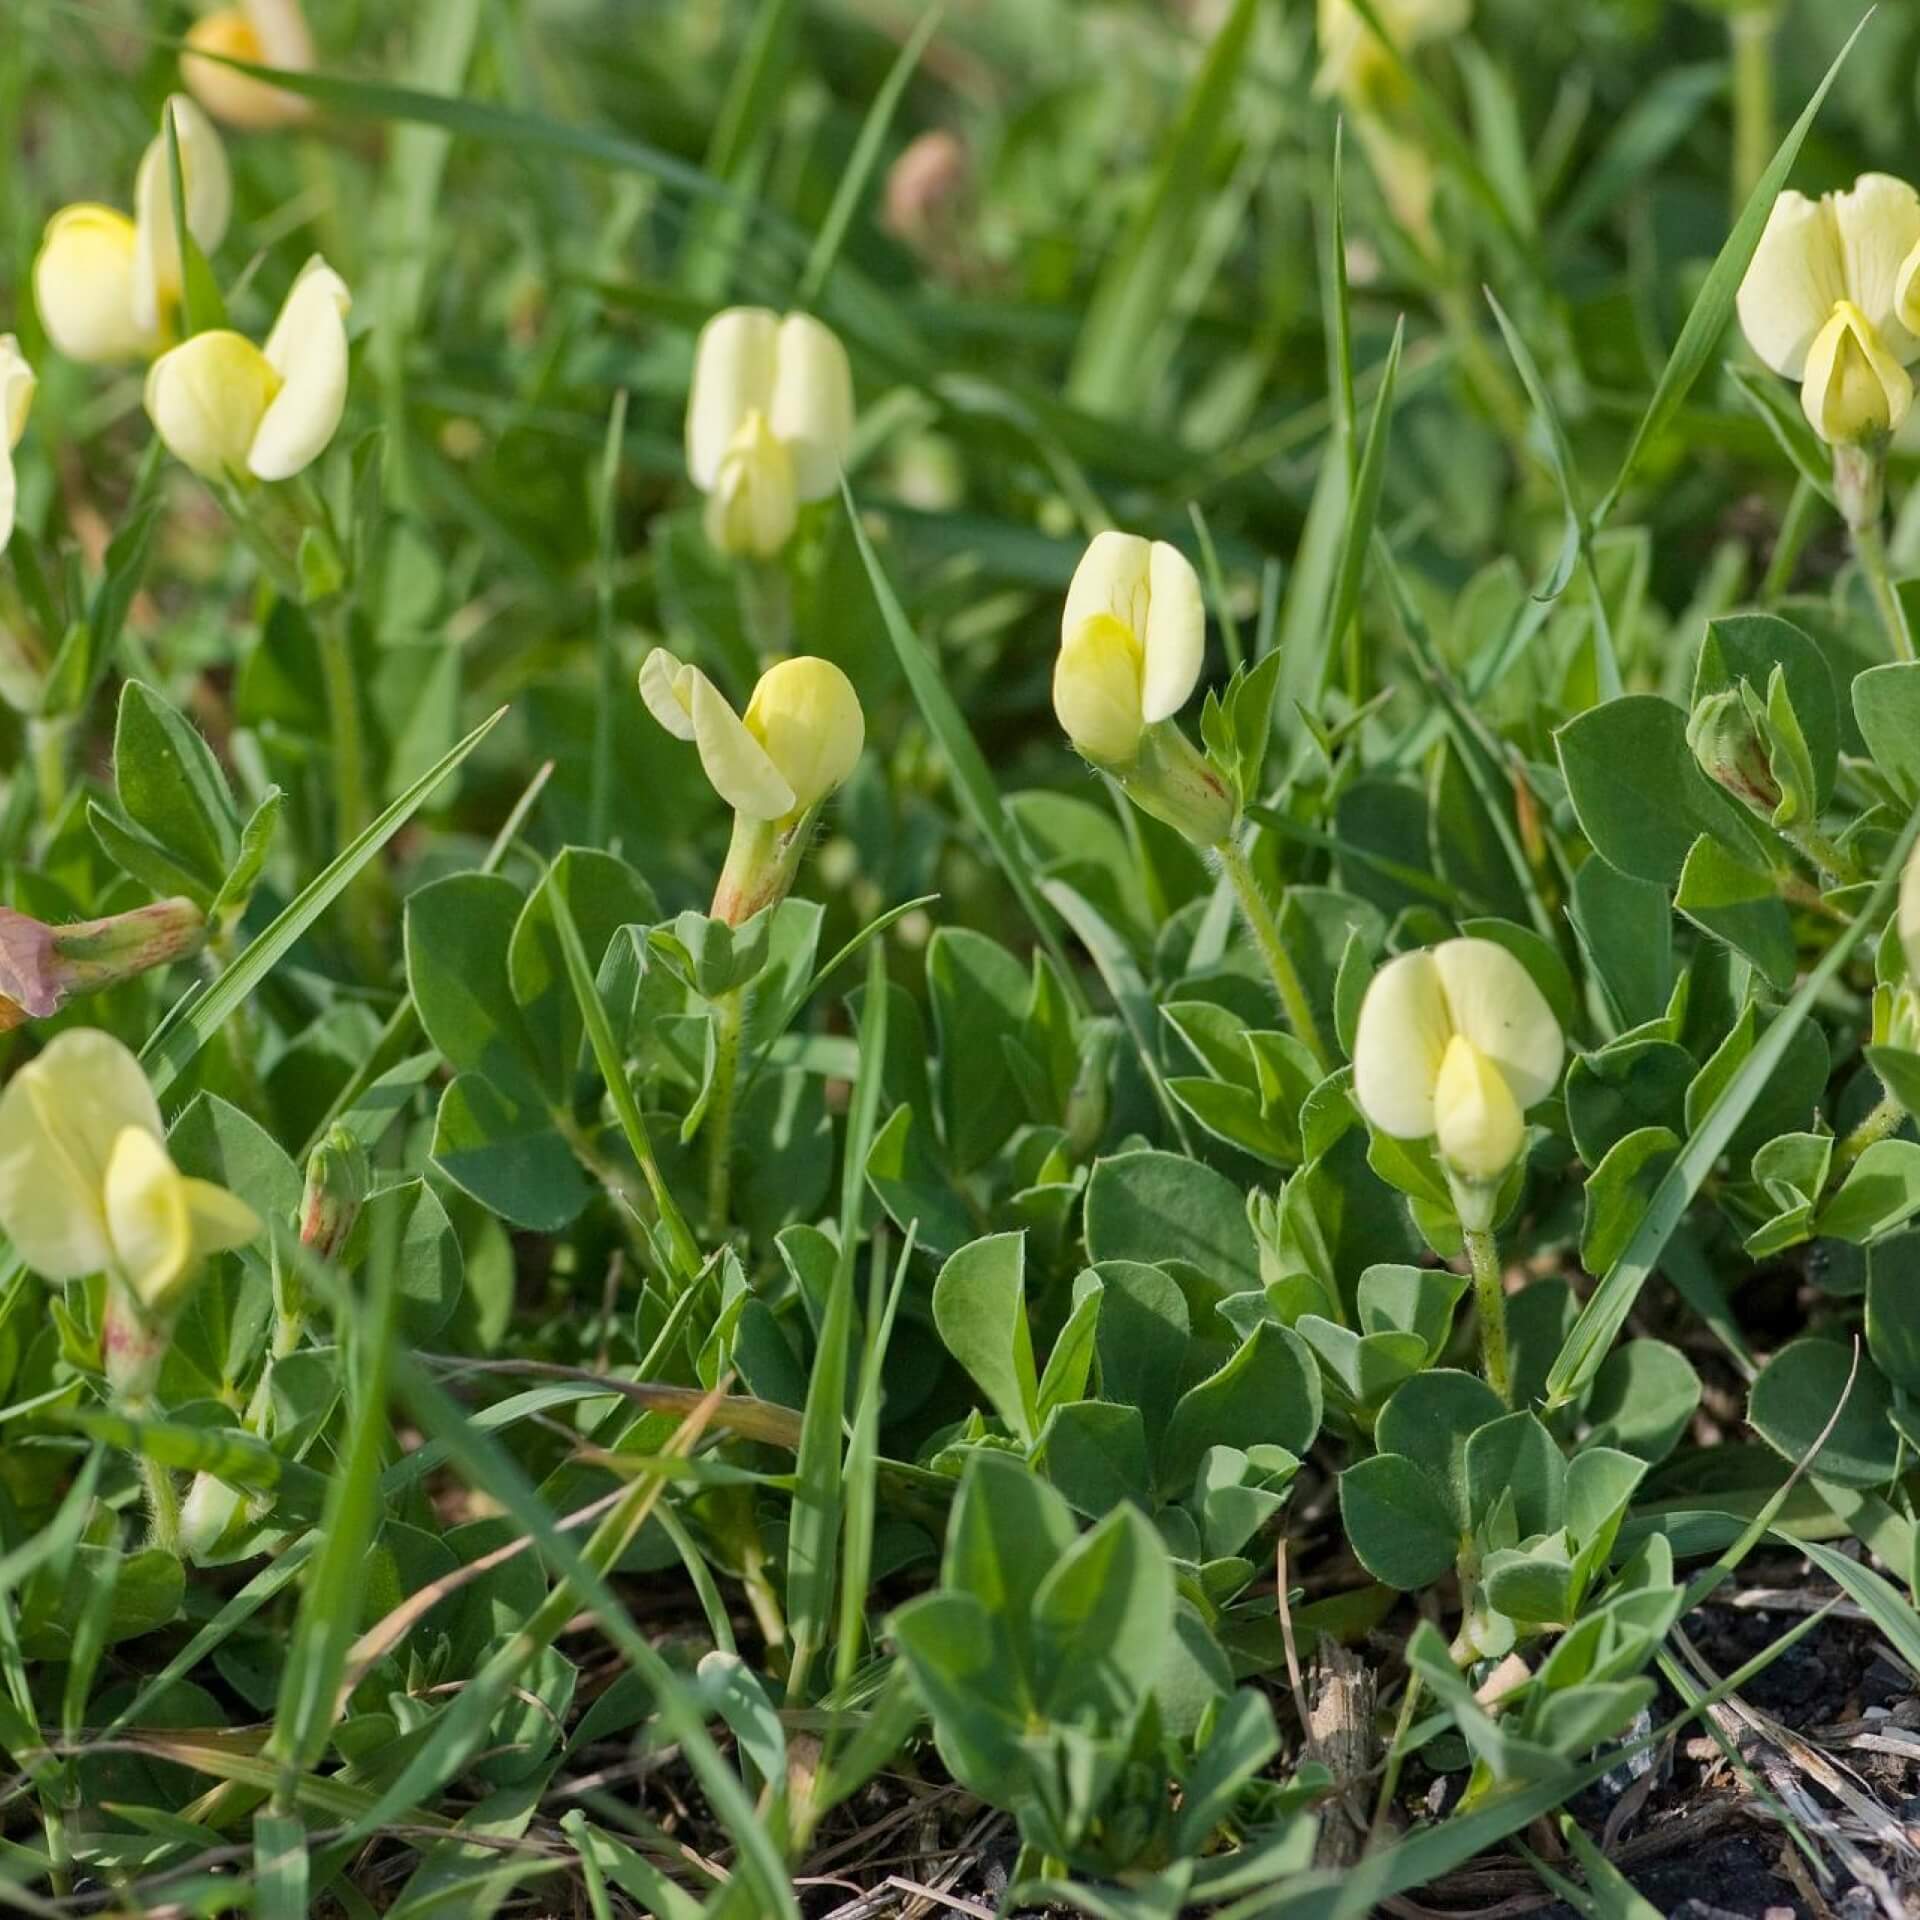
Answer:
[(16, 401), (769, 422), (86, 1184), (229, 409), (1831, 299), (270, 33), (1453, 1045), (107, 286), (799, 739), (1133, 637)]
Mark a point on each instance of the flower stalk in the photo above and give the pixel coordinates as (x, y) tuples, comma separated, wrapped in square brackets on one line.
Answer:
[(1265, 930)]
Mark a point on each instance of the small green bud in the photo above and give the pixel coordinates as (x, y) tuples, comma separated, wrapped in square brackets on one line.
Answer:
[(339, 1179), (1728, 744)]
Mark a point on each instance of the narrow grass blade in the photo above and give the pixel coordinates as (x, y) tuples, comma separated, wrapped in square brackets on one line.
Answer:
[(329, 1615), (864, 158), (1873, 1593), (606, 658), (1362, 511), (173, 1046), (1713, 306), (487, 1464), (613, 1070), (1128, 303), (975, 785), (1605, 1313)]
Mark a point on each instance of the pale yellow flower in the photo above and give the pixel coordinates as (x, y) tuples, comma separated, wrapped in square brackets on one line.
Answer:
[(1453, 1045), (269, 33), (1133, 638), (229, 409), (799, 739), (109, 287), (86, 1184), (1353, 64), (769, 422), (1830, 299)]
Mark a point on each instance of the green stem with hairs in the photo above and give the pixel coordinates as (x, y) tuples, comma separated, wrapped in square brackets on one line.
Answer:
[(1490, 1306), (1870, 549), (1880, 1124), (1273, 950), (163, 1503)]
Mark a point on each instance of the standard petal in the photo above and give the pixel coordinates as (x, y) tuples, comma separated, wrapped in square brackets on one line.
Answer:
[(1398, 1044), (308, 350), (83, 286), (1477, 1127), (1492, 999), (1795, 277), (1112, 578), (1175, 641), (733, 364), (806, 715), (742, 772), (811, 409), (1853, 388), (1096, 690), (667, 688), (1879, 226), (9, 493), (207, 399), (207, 189), (60, 1117), (147, 1217)]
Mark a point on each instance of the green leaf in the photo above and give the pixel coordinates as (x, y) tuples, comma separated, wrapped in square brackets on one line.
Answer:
[(1886, 703), (1101, 1619), (1095, 1453), (980, 1311), (1607, 1309), (171, 786), (1796, 1395), (1893, 1309), (1129, 301), (1431, 1419), (1880, 1193), (507, 1156), (979, 993), (458, 932), (185, 1032), (1638, 791), (1643, 1399), (1150, 1206), (1269, 1391), (1396, 1522)]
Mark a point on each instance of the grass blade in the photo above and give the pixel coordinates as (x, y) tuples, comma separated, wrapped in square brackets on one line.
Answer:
[(173, 1045), (1708, 316), (977, 791)]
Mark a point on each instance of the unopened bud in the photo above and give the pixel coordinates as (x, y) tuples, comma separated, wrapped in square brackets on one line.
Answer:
[(339, 1179), (43, 967), (929, 193), (1728, 745)]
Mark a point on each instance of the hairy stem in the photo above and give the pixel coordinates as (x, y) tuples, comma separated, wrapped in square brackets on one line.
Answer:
[(1273, 950), (1870, 549), (1490, 1305), (1880, 1124)]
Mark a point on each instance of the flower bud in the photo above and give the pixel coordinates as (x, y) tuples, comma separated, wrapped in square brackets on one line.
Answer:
[(929, 197), (1728, 745), (769, 423), (16, 399), (43, 967), (229, 409), (339, 1179), (83, 286), (1133, 637), (1454, 1045), (269, 33)]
